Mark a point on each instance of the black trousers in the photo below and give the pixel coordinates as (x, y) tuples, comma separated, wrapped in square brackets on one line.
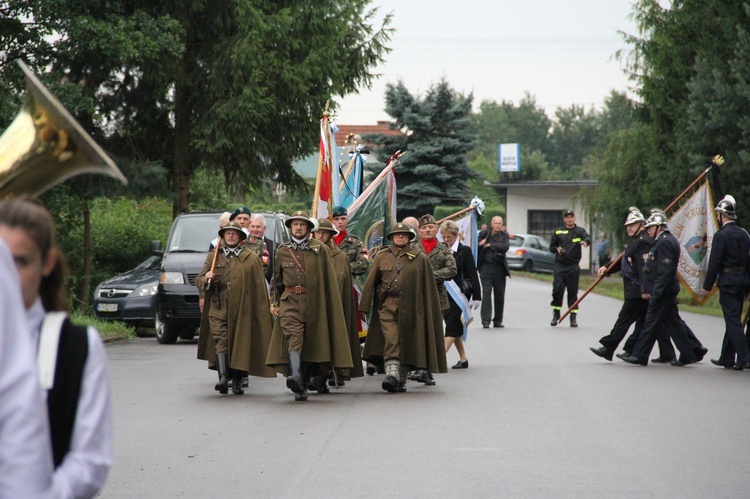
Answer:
[(734, 343), (663, 314), (493, 278), (566, 279), (633, 311)]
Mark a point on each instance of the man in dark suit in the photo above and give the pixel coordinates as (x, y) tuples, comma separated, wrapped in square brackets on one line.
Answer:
[(493, 269), (728, 261)]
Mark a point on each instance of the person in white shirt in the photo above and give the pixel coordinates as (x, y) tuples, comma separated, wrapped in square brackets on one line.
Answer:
[(74, 372), (25, 453)]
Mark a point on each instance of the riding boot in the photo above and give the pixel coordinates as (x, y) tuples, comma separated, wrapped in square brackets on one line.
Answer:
[(391, 382), (555, 317), (294, 381), (222, 365), (237, 382), (573, 322)]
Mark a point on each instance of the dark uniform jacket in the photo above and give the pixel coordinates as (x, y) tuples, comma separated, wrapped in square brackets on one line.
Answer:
[(495, 254), (420, 320), (729, 258), (570, 241), (248, 315), (326, 338), (443, 268), (632, 263), (660, 271)]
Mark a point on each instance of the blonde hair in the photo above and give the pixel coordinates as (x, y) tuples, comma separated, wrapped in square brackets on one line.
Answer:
[(224, 218), (449, 226)]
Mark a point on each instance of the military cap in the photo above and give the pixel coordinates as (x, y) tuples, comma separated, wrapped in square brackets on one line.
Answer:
[(400, 228), (325, 224), (241, 209), (299, 215), (339, 211), (427, 219), (568, 213), (233, 226)]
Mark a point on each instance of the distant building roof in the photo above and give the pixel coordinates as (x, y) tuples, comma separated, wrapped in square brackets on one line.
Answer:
[(360, 131)]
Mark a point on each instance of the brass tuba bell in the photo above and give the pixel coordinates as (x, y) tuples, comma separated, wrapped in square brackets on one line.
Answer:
[(45, 145)]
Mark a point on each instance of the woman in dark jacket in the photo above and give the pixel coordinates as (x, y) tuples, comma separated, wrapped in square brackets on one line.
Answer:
[(467, 280)]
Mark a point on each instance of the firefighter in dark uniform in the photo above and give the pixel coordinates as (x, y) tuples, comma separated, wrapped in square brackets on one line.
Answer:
[(634, 307), (350, 244), (566, 245), (660, 287), (728, 261)]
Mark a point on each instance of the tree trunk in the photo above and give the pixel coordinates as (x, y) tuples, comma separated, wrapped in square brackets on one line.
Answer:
[(181, 171), (87, 252)]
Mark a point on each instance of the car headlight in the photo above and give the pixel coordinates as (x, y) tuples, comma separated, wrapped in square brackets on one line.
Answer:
[(146, 289), (172, 278)]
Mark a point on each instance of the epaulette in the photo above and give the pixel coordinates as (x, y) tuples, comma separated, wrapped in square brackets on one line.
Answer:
[(383, 249), (352, 238)]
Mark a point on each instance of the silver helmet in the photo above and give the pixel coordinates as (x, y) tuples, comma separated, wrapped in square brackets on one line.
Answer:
[(657, 218), (634, 216), (726, 207)]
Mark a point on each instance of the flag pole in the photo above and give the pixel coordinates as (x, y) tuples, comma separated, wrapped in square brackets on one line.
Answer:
[(717, 161), (457, 214), (321, 159), (390, 165)]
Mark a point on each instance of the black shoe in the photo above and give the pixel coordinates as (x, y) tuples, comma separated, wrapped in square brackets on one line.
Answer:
[(633, 360), (740, 367), (420, 375), (391, 384), (461, 365), (245, 382), (700, 353), (498, 324), (371, 369), (660, 360), (237, 382), (485, 325), (721, 364), (573, 322), (681, 363), (602, 352), (430, 380)]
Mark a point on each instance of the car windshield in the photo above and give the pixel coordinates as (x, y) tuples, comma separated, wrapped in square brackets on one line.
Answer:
[(515, 241), (193, 234)]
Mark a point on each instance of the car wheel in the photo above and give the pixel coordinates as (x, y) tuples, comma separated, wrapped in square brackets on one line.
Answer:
[(187, 333), (528, 266), (166, 333)]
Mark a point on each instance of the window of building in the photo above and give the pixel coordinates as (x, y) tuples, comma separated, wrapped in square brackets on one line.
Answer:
[(544, 222)]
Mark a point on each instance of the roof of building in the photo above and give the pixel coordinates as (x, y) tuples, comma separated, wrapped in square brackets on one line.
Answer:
[(345, 133)]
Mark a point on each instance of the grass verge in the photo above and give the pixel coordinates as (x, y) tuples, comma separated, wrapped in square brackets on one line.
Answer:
[(108, 330)]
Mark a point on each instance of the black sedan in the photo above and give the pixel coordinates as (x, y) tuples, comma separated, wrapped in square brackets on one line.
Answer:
[(529, 253), (130, 297)]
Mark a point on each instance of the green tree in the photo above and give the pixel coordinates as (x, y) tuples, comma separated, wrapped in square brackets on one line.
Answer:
[(439, 135), (237, 87)]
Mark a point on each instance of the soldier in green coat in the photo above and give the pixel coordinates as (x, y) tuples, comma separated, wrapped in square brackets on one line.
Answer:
[(406, 324), (235, 324), (310, 334)]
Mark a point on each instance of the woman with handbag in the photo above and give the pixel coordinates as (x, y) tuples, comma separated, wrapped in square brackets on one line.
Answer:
[(468, 282)]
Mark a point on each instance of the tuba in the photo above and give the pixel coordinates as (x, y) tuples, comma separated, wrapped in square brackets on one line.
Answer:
[(45, 145)]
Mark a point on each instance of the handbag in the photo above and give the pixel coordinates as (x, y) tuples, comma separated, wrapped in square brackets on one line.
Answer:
[(464, 284)]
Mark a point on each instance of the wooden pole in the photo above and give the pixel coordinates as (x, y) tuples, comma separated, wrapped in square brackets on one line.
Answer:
[(457, 214), (619, 257)]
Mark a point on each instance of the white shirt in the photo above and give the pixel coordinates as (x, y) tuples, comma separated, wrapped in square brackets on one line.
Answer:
[(86, 465), (25, 450)]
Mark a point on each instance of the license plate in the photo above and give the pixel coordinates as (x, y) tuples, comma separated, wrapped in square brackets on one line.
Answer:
[(106, 307)]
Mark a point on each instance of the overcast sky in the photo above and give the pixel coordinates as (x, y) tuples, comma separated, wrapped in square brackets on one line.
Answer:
[(561, 52)]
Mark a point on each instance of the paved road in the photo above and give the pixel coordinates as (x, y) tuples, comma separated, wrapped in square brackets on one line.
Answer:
[(535, 415)]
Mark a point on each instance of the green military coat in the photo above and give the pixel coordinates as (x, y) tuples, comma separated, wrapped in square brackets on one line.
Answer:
[(326, 337), (444, 268), (248, 315), (354, 250), (420, 320), (349, 304)]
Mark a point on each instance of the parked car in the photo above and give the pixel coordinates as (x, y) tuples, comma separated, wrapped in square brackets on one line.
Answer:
[(130, 297), (178, 313), (529, 253)]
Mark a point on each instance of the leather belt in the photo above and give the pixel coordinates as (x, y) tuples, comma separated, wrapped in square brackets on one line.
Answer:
[(296, 289), (731, 270)]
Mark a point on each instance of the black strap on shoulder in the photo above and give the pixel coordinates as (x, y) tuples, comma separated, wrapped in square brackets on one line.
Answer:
[(62, 399)]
